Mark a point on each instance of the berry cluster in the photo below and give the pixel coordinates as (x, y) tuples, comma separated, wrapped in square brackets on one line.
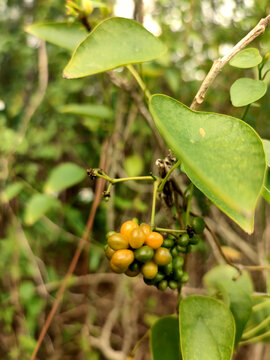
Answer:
[(138, 249)]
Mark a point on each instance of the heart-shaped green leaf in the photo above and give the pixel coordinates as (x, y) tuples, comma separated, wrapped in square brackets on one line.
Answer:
[(112, 43), (64, 176), (165, 343), (245, 91), (246, 58), (222, 155), (238, 292), (64, 35), (207, 329)]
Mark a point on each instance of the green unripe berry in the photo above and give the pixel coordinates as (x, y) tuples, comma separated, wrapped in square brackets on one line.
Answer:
[(194, 240), (183, 240), (178, 262), (168, 269), (185, 277), (162, 285), (177, 274), (198, 225), (168, 243), (144, 254), (160, 276), (173, 284), (174, 251)]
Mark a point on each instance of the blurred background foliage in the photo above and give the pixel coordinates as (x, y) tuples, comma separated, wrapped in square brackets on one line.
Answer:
[(50, 136)]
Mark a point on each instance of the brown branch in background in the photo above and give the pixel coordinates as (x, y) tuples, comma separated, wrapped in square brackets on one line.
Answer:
[(138, 11), (219, 63), (98, 192)]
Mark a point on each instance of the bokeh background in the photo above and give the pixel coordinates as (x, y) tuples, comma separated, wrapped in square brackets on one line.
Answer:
[(42, 218)]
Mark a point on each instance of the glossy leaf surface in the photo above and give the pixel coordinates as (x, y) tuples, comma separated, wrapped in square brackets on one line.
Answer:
[(64, 35), (165, 343), (207, 329), (246, 58), (113, 43), (223, 156), (245, 91)]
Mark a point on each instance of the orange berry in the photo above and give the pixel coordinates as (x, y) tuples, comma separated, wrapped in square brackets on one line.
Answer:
[(127, 227), (149, 270), (154, 240), (118, 241), (136, 238), (146, 228), (122, 259)]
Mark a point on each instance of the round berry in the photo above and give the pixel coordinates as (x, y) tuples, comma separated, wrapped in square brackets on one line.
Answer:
[(178, 262), (198, 225), (118, 241), (168, 243), (146, 228), (127, 227), (149, 270), (194, 240), (183, 240), (185, 277), (162, 256), (154, 240), (162, 285), (109, 251), (144, 254), (168, 269), (136, 238), (173, 284), (122, 259)]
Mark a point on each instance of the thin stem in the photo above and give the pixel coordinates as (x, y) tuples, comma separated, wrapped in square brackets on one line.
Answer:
[(138, 343), (245, 112), (134, 178), (264, 75), (170, 231), (256, 338), (163, 182), (250, 333), (139, 81), (191, 189), (156, 183)]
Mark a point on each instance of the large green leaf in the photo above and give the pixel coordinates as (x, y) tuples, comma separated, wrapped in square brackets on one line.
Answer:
[(64, 176), (238, 293), (266, 144), (222, 155), (114, 42), (38, 206), (207, 329), (165, 343), (65, 35), (246, 58), (245, 91), (89, 110)]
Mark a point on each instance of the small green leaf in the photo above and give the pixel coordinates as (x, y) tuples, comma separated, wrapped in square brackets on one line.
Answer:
[(223, 156), (64, 176), (37, 206), (64, 35), (259, 319), (89, 110), (133, 165), (266, 189), (114, 42), (207, 329), (238, 292), (246, 58), (245, 91), (165, 344), (11, 191)]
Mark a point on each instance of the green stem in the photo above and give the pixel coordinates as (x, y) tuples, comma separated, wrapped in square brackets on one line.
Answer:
[(163, 182), (191, 189), (139, 81), (246, 111), (170, 231), (156, 184), (133, 178), (250, 333), (256, 338)]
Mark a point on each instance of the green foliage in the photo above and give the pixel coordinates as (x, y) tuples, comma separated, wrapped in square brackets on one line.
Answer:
[(64, 176), (216, 151), (38, 205), (89, 110), (65, 35), (11, 191), (245, 91), (114, 42), (165, 343), (246, 58), (236, 294), (133, 165), (207, 329)]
